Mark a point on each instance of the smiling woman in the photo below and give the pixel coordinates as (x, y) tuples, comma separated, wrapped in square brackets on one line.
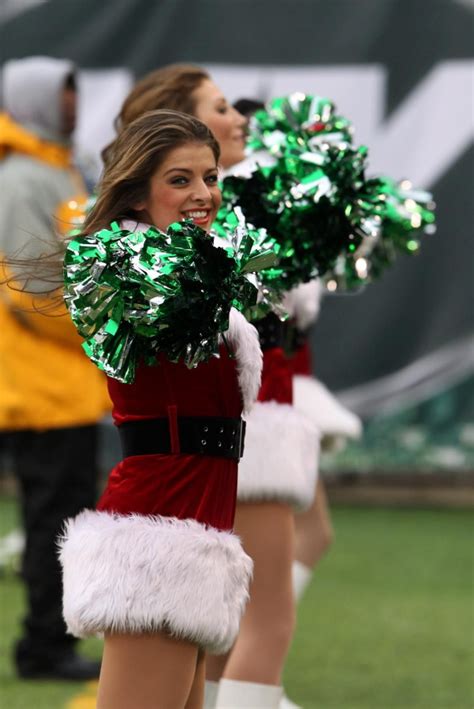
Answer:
[(184, 185), (155, 567), (159, 176)]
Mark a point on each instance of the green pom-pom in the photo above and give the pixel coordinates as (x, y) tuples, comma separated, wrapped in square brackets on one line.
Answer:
[(295, 122), (132, 294), (395, 216), (306, 184)]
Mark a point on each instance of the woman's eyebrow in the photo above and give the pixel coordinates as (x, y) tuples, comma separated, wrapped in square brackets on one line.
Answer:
[(189, 171), (178, 169)]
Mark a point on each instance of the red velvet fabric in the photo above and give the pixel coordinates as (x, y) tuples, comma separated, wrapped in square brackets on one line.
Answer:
[(210, 389), (277, 377), (301, 361), (183, 486), (176, 485)]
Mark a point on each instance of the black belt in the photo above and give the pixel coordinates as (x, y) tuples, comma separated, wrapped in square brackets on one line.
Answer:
[(295, 339), (217, 436), (271, 331)]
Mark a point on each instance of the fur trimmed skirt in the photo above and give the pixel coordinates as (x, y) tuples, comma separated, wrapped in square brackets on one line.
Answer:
[(335, 423), (280, 461), (157, 554), (137, 574)]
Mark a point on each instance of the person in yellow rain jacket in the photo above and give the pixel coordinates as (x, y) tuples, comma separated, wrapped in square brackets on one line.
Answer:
[(51, 395)]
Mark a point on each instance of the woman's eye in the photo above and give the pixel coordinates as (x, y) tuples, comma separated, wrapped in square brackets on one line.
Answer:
[(179, 181), (222, 109), (212, 179)]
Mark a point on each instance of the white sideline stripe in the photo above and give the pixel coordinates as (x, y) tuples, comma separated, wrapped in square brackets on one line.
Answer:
[(415, 383)]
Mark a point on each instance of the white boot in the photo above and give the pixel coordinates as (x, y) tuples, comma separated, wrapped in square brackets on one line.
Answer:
[(210, 694), (234, 694), (286, 703), (301, 575)]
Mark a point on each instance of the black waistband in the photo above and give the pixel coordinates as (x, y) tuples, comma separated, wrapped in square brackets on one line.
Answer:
[(271, 332), (216, 436), (295, 339)]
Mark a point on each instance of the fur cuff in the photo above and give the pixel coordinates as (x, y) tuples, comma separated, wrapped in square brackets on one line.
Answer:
[(136, 574), (280, 458), (245, 343), (316, 402)]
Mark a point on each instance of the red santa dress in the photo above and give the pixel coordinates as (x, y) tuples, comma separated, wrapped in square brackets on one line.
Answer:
[(280, 460), (158, 553)]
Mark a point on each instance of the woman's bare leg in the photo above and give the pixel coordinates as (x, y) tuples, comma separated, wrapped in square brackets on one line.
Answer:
[(151, 671), (267, 533), (215, 666), (196, 695), (313, 530)]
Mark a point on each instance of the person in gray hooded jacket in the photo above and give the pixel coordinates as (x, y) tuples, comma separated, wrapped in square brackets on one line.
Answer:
[(51, 396)]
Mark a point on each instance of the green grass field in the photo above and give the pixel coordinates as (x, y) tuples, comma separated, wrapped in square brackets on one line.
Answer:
[(386, 624)]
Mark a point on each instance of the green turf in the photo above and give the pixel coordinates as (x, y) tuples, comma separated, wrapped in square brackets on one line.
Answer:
[(386, 624), (15, 694), (388, 620)]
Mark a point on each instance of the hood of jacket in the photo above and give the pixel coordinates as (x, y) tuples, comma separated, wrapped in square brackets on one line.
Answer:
[(31, 94)]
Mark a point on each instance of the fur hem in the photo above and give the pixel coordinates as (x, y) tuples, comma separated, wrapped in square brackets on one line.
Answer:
[(137, 574), (280, 460), (316, 402), (243, 338)]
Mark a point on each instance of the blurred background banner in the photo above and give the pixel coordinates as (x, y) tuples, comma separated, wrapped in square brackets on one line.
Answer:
[(401, 353)]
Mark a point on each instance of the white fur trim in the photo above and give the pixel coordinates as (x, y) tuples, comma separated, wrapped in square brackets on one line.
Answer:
[(280, 458), (248, 165), (137, 574), (303, 303), (316, 402), (132, 225), (245, 344)]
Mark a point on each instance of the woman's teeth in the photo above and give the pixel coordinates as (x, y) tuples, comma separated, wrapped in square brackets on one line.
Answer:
[(197, 214)]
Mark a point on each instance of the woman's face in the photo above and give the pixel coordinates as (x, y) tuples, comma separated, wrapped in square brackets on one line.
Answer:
[(183, 187), (227, 124)]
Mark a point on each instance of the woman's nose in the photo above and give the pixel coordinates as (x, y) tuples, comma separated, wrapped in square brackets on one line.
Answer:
[(240, 120), (201, 192)]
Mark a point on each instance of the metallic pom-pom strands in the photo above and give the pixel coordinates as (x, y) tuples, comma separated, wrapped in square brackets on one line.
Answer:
[(307, 185), (132, 294), (400, 216), (231, 229)]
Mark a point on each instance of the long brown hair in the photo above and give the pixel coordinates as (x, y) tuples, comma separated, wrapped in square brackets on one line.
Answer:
[(171, 87), (140, 149)]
